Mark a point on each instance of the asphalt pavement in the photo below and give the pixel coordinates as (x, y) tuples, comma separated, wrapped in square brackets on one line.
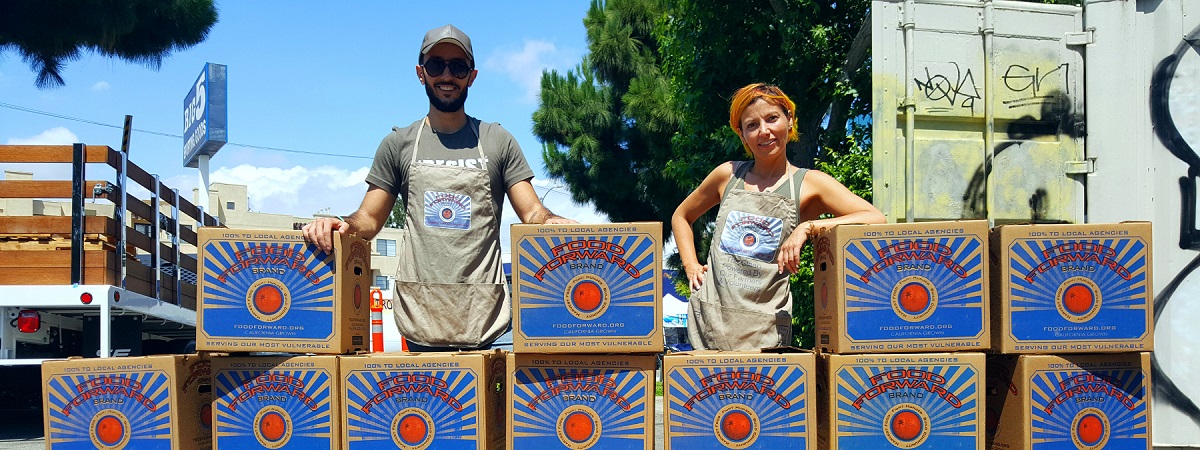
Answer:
[(21, 430)]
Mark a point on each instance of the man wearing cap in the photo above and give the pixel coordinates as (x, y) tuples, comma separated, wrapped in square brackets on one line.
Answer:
[(452, 171)]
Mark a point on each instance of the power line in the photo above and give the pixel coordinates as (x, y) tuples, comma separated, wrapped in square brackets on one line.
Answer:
[(159, 133)]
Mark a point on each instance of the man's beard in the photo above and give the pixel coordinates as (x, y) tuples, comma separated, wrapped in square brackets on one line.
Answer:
[(445, 106)]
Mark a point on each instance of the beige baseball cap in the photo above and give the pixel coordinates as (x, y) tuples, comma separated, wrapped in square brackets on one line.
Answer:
[(448, 33)]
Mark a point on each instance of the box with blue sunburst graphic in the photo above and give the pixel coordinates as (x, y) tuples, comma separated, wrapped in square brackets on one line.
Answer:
[(1072, 288), (276, 402), (587, 288), (903, 287), (580, 401), (423, 401), (270, 291), (139, 402), (1089, 402), (927, 401), (739, 400)]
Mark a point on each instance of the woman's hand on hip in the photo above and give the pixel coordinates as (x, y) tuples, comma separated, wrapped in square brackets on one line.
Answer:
[(695, 274)]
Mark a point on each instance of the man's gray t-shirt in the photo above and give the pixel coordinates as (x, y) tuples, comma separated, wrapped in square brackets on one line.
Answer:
[(506, 164)]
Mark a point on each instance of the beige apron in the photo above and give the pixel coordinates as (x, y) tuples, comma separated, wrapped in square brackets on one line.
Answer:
[(450, 287), (744, 302)]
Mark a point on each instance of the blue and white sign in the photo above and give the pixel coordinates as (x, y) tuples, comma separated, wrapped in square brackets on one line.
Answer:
[(205, 110)]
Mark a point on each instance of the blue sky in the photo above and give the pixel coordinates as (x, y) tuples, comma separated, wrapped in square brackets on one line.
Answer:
[(325, 77)]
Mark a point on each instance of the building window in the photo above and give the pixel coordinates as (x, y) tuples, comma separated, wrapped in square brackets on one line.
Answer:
[(382, 282), (386, 247), (229, 206), (143, 228)]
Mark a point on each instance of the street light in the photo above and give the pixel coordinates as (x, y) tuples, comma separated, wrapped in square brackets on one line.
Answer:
[(548, 190)]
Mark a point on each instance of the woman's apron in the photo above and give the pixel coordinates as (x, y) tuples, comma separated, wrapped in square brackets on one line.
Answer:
[(744, 302), (450, 287)]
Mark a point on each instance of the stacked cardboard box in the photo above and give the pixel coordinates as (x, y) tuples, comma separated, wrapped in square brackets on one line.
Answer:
[(917, 400), (423, 400), (130, 402), (268, 291), (1090, 401), (587, 325), (1073, 319), (580, 401), (902, 318), (902, 288), (726, 399), (275, 401)]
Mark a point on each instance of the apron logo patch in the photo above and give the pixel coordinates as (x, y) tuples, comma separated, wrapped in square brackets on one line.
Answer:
[(447, 210), (751, 235)]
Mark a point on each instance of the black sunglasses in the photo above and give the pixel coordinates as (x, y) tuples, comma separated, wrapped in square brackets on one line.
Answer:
[(459, 68)]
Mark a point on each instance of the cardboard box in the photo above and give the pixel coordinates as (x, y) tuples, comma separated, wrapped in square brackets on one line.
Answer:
[(269, 291), (906, 401), (587, 288), (276, 402), (423, 400), (137, 402), (739, 400), (1043, 402), (580, 401), (1072, 288), (904, 287)]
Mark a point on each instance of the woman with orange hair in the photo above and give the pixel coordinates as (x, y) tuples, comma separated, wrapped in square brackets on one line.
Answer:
[(769, 208)]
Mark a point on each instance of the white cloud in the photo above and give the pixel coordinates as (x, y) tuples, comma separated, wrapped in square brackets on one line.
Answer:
[(297, 191), (524, 66), (53, 136), (100, 86)]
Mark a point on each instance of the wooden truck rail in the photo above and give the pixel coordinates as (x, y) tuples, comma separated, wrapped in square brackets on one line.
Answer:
[(87, 263)]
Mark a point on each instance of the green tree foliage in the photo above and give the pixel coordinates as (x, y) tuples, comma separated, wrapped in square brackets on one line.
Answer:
[(396, 219), (47, 34), (810, 48), (607, 125), (644, 117)]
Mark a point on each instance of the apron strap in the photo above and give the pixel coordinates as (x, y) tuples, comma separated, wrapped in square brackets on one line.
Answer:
[(739, 171), (478, 143), (797, 180)]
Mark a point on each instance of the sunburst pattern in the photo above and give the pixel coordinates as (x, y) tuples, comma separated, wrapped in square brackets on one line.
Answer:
[(449, 398), (447, 210), (950, 425), (751, 235), (632, 301), (870, 314), (307, 408), (307, 276), (1033, 295), (782, 415), (75, 400), (1118, 397), (537, 427)]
